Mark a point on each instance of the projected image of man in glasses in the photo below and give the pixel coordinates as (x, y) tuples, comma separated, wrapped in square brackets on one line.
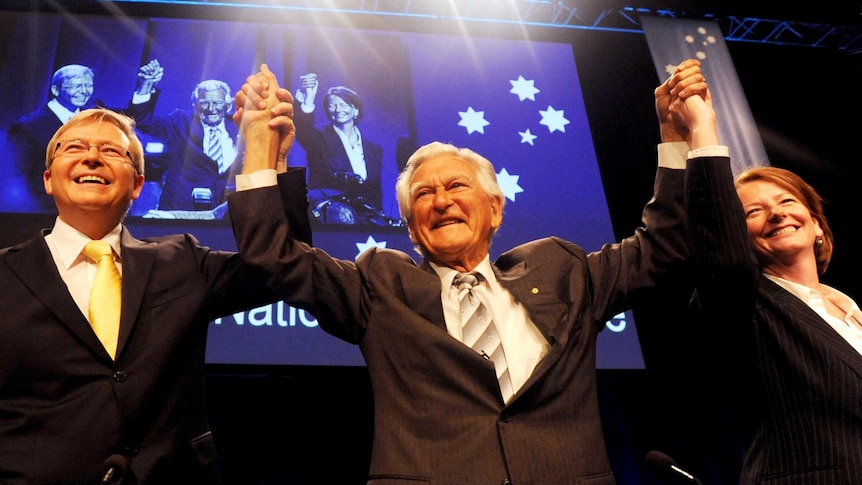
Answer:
[(72, 88)]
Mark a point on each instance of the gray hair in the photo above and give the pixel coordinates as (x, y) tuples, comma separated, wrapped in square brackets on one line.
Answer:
[(70, 71), (214, 85), (484, 169), (102, 115)]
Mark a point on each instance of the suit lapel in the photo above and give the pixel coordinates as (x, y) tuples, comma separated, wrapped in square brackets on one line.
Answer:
[(799, 312), (341, 162), (33, 264), (418, 283), (138, 260), (538, 296)]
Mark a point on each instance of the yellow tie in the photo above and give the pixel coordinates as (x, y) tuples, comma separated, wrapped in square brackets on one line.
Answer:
[(105, 296)]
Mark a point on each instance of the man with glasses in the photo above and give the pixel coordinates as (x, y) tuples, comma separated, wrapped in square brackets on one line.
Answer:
[(82, 406), (199, 163), (72, 88)]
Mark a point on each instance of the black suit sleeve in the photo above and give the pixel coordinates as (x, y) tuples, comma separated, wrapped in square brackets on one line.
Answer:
[(294, 195)]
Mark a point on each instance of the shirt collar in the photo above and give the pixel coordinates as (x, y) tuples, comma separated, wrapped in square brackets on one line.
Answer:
[(220, 127), (805, 293), (70, 241), (62, 112), (448, 274)]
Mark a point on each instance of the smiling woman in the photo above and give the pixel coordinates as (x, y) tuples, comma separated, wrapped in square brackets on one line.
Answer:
[(797, 342)]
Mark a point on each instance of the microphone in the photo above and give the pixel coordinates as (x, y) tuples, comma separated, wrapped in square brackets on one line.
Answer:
[(114, 468), (666, 464)]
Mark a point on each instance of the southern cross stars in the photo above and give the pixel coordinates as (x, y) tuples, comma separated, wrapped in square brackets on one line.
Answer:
[(524, 89), (473, 120)]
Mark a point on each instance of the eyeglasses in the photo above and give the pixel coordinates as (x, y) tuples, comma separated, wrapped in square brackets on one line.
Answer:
[(80, 148), (78, 87)]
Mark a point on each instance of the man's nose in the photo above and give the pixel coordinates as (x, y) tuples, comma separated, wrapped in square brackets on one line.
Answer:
[(441, 198), (93, 155)]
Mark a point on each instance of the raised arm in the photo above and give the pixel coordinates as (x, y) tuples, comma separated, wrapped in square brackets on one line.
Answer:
[(684, 107), (149, 76), (264, 116)]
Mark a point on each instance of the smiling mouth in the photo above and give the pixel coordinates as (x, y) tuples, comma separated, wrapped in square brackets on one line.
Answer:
[(447, 222), (782, 231), (91, 179)]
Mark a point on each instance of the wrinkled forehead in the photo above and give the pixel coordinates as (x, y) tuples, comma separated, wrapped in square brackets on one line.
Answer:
[(96, 131), (79, 79), (442, 169), (214, 94)]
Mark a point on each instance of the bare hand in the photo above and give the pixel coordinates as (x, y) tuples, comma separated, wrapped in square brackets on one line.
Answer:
[(307, 91), (686, 81), (261, 100), (148, 76)]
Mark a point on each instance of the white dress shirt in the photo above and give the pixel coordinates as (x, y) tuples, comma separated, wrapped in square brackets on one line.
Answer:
[(850, 328), (228, 149), (63, 113), (522, 342), (77, 270), (354, 151)]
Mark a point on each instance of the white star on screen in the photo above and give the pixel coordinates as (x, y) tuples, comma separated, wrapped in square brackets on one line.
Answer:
[(369, 243), (527, 137), (554, 119), (509, 184), (473, 120), (705, 42), (524, 89)]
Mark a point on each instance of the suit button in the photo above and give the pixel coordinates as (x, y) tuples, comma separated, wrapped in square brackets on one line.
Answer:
[(506, 482), (120, 376)]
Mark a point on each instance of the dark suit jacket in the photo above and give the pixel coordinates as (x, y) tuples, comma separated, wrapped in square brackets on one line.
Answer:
[(27, 141), (326, 156), (184, 165), (65, 406), (439, 415), (796, 382)]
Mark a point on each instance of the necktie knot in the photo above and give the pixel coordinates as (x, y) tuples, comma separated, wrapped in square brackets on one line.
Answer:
[(465, 281), (95, 250)]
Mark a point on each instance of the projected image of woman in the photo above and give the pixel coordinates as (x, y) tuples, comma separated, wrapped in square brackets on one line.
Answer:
[(342, 163)]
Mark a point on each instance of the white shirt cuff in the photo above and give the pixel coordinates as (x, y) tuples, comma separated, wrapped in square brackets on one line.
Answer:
[(675, 154), (255, 180)]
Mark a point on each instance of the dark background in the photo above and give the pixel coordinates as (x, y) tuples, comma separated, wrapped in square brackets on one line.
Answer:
[(298, 425)]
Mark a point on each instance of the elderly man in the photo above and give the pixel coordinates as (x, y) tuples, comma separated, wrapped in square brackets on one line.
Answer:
[(507, 395), (200, 161)]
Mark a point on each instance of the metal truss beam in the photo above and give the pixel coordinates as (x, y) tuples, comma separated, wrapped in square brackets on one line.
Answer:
[(845, 35)]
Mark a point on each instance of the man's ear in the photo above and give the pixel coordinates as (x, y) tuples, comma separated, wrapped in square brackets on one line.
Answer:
[(55, 91), (46, 180), (496, 212)]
